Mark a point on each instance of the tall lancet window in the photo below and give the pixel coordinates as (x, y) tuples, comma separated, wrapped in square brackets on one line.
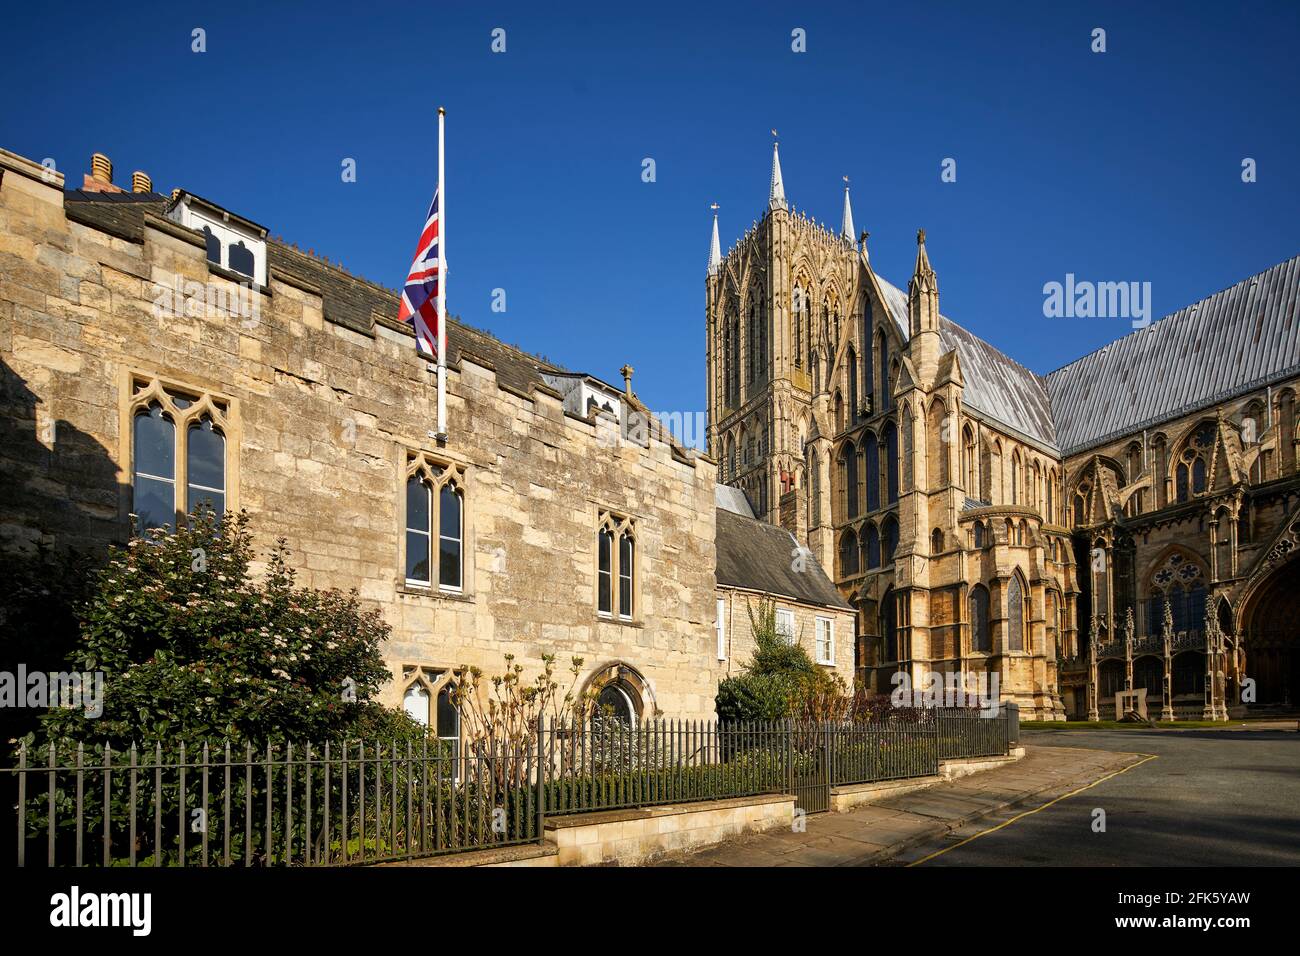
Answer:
[(853, 385), (796, 324)]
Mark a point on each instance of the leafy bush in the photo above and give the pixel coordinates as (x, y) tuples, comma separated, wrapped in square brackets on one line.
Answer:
[(780, 681), (193, 649)]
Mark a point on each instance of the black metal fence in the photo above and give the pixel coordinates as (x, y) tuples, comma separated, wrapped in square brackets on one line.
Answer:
[(369, 802)]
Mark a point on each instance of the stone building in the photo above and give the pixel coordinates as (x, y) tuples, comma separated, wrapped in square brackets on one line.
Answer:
[(761, 563), (984, 520), (160, 352)]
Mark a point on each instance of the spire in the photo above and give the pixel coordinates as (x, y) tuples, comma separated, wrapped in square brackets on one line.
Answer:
[(776, 195), (922, 293), (923, 276), (715, 248), (847, 232)]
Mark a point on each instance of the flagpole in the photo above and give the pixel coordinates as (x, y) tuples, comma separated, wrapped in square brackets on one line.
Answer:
[(442, 283)]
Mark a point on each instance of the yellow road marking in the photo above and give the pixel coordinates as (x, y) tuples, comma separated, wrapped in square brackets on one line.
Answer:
[(1018, 816)]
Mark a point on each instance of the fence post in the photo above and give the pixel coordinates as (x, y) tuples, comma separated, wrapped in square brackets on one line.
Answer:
[(541, 781), (830, 750), (1013, 724)]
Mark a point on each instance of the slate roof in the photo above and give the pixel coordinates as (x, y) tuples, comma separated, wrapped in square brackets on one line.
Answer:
[(1233, 342), (997, 386), (346, 299), (758, 556)]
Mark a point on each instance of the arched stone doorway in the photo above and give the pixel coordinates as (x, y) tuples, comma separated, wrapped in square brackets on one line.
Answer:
[(1270, 634)]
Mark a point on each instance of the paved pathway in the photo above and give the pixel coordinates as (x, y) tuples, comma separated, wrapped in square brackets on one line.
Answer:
[(875, 833)]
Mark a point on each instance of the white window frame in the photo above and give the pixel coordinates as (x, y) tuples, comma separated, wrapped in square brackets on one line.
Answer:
[(785, 624), (829, 643), (720, 629)]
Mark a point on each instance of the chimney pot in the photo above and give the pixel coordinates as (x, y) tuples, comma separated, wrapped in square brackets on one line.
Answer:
[(140, 182), (101, 168)]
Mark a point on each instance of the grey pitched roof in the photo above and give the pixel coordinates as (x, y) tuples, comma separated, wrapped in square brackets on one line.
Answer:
[(997, 387), (345, 299), (732, 499), (759, 556), (1231, 343)]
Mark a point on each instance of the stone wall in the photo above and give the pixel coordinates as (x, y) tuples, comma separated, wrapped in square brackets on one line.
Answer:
[(320, 421)]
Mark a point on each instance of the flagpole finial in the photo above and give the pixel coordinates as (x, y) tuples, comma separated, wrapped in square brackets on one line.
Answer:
[(442, 111)]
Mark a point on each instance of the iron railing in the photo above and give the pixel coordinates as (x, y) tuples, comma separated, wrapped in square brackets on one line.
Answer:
[(370, 802)]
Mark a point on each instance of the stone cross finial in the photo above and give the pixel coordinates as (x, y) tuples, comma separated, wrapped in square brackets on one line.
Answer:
[(920, 237), (626, 371)]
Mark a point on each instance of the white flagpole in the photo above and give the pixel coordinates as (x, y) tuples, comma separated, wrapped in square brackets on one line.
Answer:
[(442, 283)]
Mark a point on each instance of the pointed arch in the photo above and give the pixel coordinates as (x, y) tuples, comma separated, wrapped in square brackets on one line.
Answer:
[(1017, 612)]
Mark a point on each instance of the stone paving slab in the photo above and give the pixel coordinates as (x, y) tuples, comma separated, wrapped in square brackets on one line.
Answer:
[(872, 834)]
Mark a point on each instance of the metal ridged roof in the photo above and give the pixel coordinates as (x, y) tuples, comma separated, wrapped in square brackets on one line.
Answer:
[(997, 387), (1228, 344)]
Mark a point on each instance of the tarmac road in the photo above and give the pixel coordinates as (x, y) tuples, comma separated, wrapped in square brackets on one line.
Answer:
[(1208, 798)]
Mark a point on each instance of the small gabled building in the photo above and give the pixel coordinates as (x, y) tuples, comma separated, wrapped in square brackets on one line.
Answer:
[(761, 563)]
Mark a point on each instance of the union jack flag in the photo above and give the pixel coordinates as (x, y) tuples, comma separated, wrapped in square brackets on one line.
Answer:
[(420, 294)]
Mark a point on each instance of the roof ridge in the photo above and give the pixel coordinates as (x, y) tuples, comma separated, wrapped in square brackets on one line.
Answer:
[(379, 287)]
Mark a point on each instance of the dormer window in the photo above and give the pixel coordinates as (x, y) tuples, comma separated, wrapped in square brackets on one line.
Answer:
[(230, 242)]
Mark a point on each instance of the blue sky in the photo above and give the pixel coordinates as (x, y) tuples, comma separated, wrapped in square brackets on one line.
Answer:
[(1122, 166)]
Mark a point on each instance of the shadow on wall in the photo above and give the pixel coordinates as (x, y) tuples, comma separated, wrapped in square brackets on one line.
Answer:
[(60, 485), (60, 502), (60, 507)]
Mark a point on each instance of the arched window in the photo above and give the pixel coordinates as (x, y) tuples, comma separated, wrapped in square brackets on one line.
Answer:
[(852, 360), (883, 350), (1051, 482), (840, 421), (1015, 614), (616, 566), (1022, 532), (205, 468), (981, 539), (626, 559), (978, 604), (868, 361), (891, 462), (1015, 477), (416, 703), (1181, 486), (889, 625), (848, 554), (448, 714), (891, 540), (605, 584), (936, 541), (997, 493), (849, 474), (970, 462), (450, 507), (614, 702), (154, 500), (871, 466), (797, 324), (815, 484), (872, 538)]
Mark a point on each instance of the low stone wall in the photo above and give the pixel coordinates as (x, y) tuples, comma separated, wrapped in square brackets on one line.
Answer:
[(629, 837), (847, 796)]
